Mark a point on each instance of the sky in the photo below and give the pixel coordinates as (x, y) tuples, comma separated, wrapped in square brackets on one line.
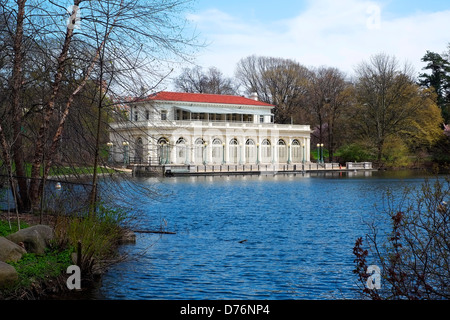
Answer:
[(317, 33)]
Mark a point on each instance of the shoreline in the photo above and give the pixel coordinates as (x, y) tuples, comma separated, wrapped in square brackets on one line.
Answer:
[(55, 287)]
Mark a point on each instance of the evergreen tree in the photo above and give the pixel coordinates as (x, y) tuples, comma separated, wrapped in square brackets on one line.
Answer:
[(438, 77)]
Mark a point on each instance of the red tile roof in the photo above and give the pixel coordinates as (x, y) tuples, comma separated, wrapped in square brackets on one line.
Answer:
[(205, 98)]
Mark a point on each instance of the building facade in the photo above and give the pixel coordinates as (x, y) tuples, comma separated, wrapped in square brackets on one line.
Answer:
[(170, 128)]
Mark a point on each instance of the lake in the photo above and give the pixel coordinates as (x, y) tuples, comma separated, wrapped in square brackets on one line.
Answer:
[(251, 237)]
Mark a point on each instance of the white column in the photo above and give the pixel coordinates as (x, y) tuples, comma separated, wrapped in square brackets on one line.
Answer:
[(242, 152), (172, 152), (289, 152), (308, 149), (275, 152), (227, 151), (192, 151), (258, 152), (209, 148)]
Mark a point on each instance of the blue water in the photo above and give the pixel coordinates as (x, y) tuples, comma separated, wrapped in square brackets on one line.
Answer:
[(250, 237)]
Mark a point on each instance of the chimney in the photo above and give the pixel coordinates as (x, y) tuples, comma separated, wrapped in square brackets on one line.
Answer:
[(254, 96)]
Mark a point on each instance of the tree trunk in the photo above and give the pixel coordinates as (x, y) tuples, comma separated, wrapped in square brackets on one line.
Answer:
[(23, 201), (36, 183)]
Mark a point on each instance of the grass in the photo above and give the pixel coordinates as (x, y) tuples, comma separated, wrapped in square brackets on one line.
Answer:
[(55, 171), (78, 170), (99, 235), (6, 229), (33, 268)]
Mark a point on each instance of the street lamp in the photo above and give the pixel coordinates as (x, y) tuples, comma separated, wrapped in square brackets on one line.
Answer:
[(303, 160), (167, 153), (321, 153), (289, 153), (125, 152), (273, 154), (318, 153), (110, 145), (204, 153), (240, 153), (223, 153), (257, 153)]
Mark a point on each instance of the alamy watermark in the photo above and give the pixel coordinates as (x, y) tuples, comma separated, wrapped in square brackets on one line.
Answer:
[(373, 22), (74, 280), (74, 20)]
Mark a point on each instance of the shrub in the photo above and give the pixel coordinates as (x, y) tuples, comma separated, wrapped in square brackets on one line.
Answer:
[(99, 234), (354, 152), (396, 153), (414, 255)]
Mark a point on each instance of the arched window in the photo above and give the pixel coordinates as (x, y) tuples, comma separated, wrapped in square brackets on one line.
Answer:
[(163, 150), (296, 151), (233, 150), (250, 151), (266, 151), (139, 150), (198, 151), (163, 140), (181, 150), (282, 151), (217, 151)]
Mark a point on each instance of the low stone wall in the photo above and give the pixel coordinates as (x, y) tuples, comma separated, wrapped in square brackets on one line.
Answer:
[(359, 165)]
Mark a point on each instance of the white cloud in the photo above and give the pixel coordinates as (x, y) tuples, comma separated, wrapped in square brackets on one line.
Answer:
[(339, 34)]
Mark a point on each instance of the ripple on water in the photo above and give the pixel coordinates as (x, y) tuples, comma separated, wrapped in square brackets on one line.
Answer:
[(299, 234)]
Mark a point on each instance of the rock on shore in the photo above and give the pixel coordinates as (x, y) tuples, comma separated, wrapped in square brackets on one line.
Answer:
[(33, 240), (8, 275)]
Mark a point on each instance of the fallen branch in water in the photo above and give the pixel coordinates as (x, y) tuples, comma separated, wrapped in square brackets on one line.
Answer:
[(154, 231)]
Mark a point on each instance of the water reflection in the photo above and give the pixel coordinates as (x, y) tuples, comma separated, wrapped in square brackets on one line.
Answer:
[(284, 236)]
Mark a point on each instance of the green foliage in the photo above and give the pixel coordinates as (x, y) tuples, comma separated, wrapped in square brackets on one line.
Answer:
[(34, 268), (396, 153), (99, 233), (6, 228), (354, 152), (438, 78), (60, 171), (78, 170), (315, 154), (441, 151)]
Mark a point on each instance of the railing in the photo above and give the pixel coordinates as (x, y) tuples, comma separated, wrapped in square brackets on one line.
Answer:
[(211, 169), (205, 124), (144, 161), (359, 165)]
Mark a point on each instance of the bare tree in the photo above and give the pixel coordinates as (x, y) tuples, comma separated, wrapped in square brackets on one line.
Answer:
[(195, 80), (277, 81), (328, 94), (383, 93), (117, 41), (412, 251)]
